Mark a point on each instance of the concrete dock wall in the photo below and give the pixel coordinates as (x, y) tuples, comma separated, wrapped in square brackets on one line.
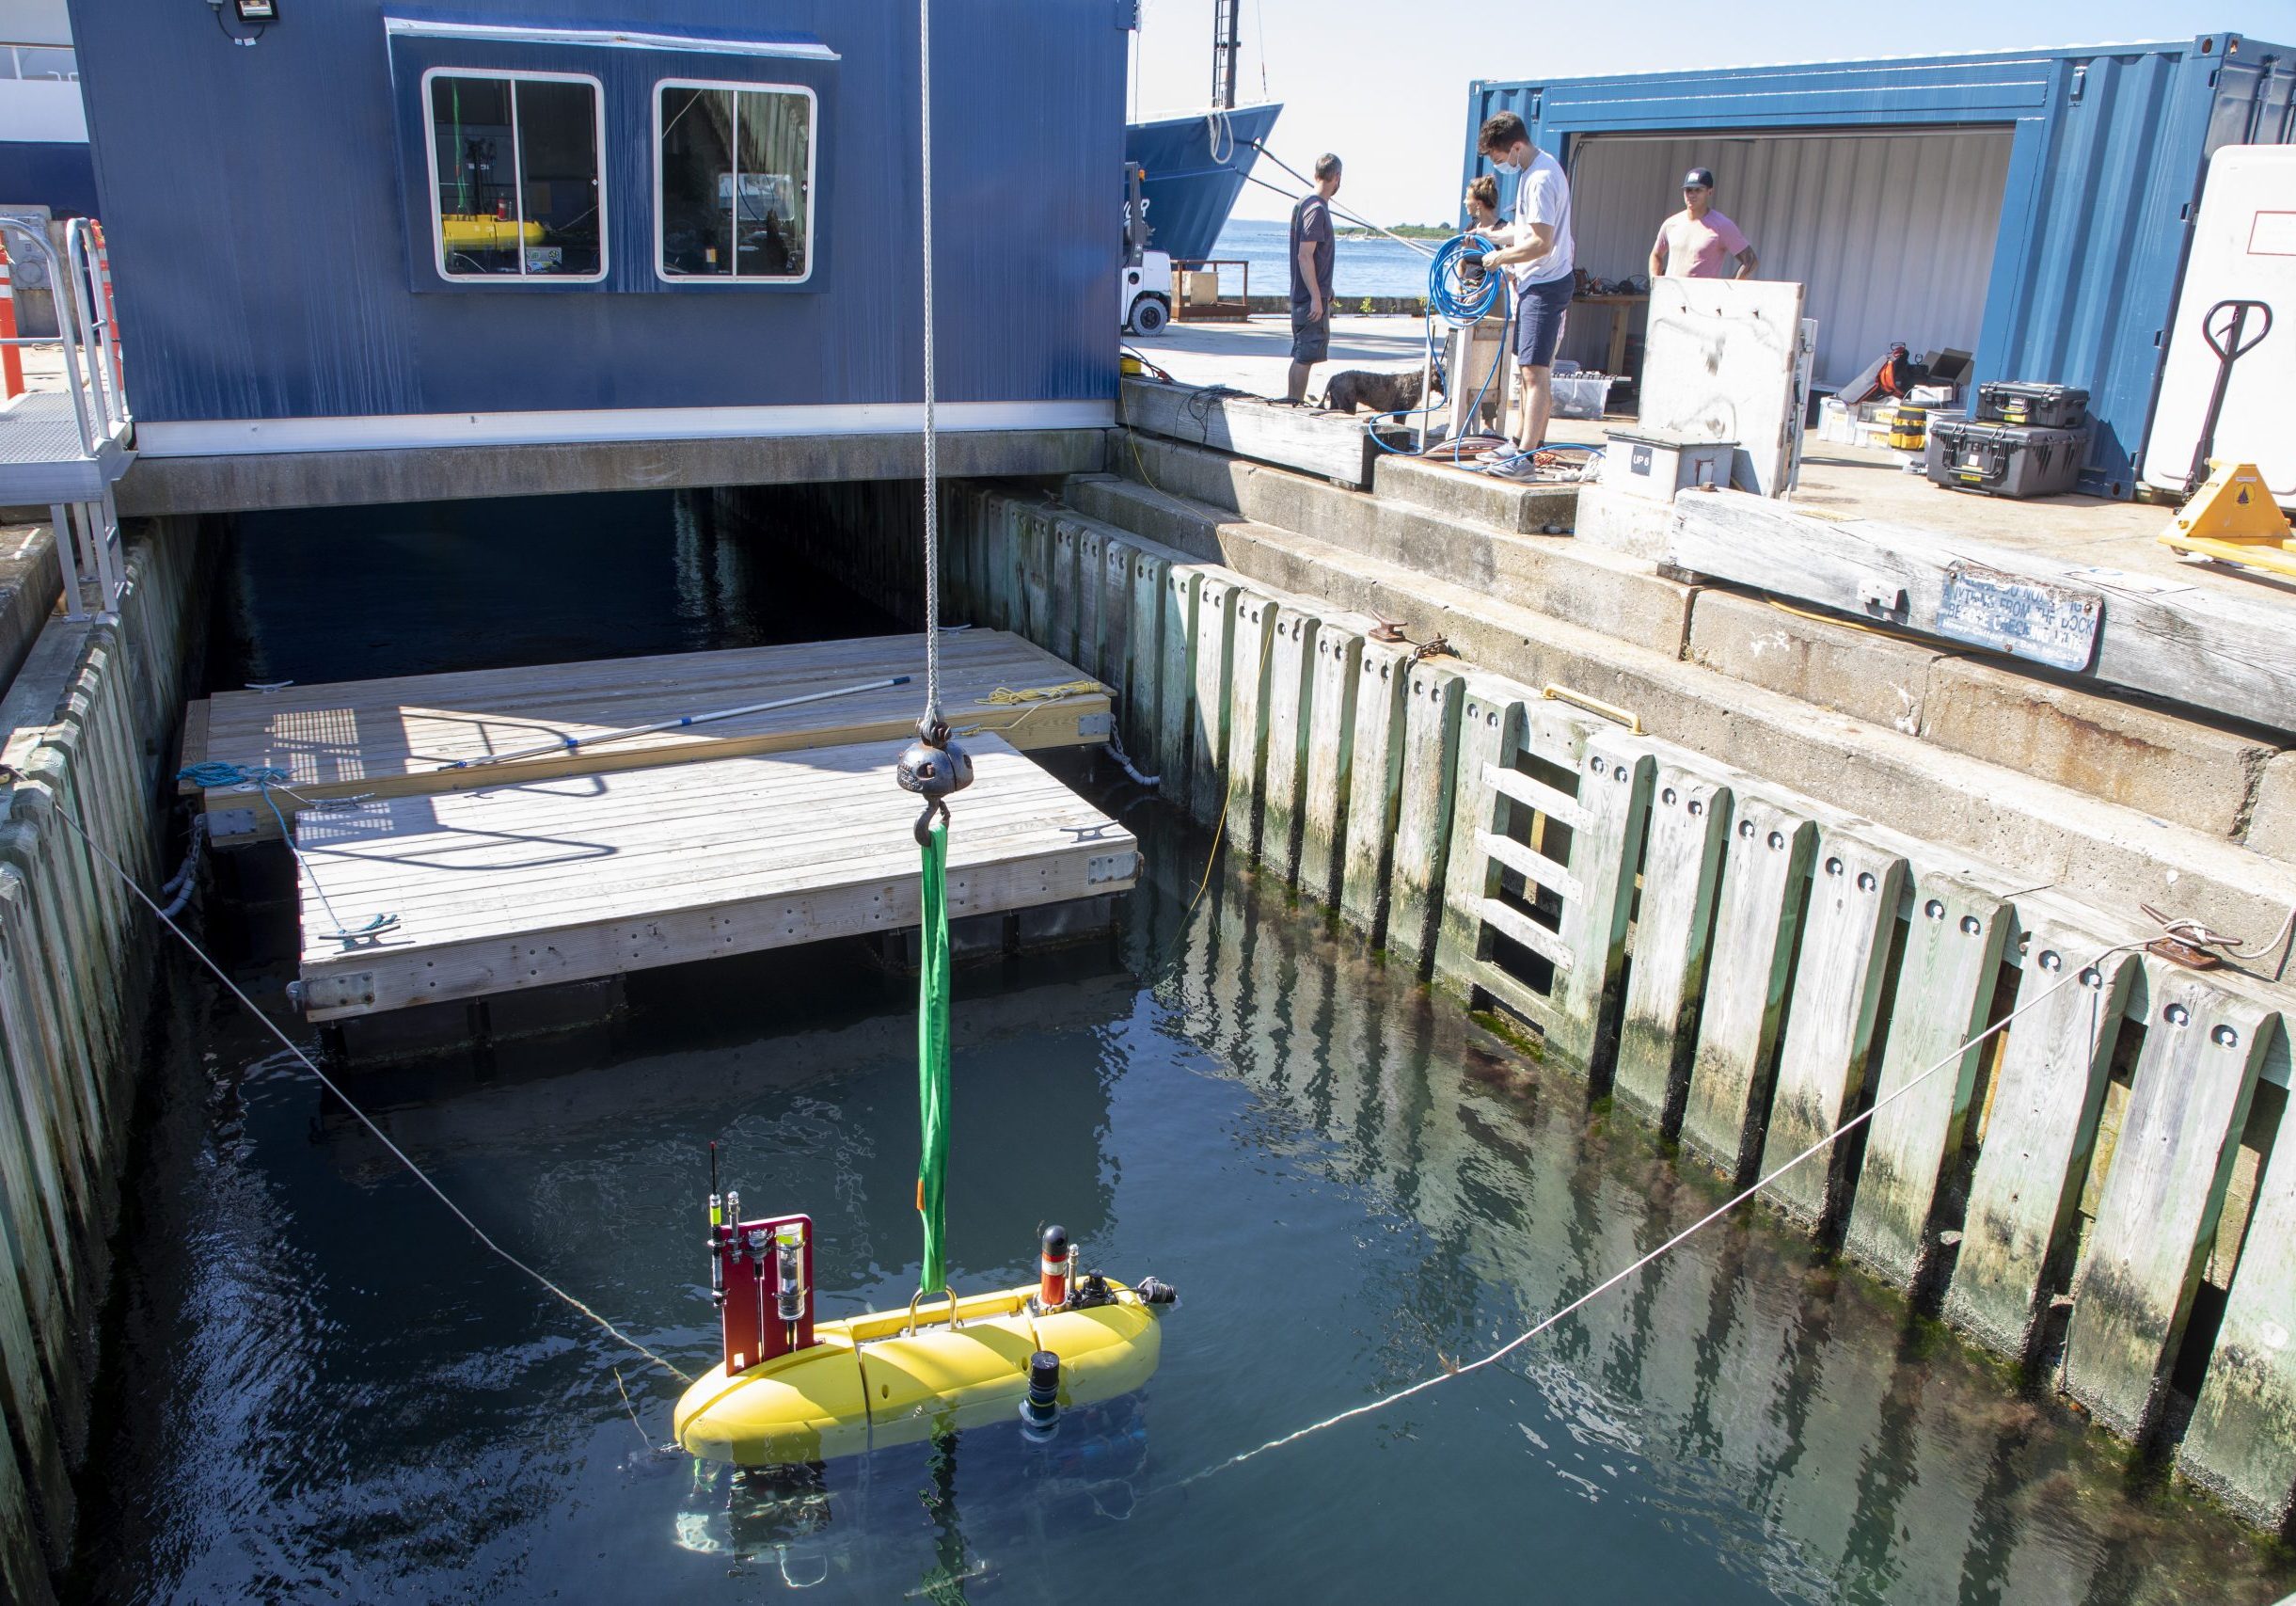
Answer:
[(87, 725), (1744, 963)]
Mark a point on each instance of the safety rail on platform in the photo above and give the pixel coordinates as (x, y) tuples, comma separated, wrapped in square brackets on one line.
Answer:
[(66, 449)]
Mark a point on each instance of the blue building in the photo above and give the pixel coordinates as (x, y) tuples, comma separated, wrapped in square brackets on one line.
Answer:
[(2031, 207), (366, 226)]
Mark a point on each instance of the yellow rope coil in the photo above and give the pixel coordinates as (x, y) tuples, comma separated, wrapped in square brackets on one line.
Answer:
[(1005, 695)]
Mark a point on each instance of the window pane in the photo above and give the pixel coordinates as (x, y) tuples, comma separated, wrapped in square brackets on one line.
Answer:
[(774, 211), (477, 201), (557, 165), (697, 140)]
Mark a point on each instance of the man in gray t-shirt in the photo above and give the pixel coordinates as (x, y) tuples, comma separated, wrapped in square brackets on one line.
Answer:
[(1311, 254)]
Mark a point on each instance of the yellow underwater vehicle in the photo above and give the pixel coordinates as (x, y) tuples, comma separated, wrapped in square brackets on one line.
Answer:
[(790, 1390)]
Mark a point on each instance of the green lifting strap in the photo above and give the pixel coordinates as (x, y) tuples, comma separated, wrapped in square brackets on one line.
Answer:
[(933, 1063)]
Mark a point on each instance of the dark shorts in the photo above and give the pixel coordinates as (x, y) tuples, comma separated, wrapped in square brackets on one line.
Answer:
[(1539, 312), (1310, 338)]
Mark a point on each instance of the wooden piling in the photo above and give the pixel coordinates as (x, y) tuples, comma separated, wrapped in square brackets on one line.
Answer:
[(22, 1579), (1682, 872), (1066, 610), (1032, 539), (1258, 619), (80, 723), (38, 1245), (1176, 682), (1436, 693), (1292, 687), (1091, 558), (1215, 615), (2049, 1087), (2241, 1443), (2179, 1134), (1758, 916), (42, 1422), (1825, 1063), (1946, 985), (1114, 667), (1331, 754), (1616, 770), (1139, 704), (1375, 784), (1001, 563)]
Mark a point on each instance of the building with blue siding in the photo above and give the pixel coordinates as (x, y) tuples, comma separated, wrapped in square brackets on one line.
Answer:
[(370, 225), (2034, 207)]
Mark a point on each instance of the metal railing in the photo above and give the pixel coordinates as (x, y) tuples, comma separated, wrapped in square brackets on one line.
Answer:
[(53, 63), (87, 532)]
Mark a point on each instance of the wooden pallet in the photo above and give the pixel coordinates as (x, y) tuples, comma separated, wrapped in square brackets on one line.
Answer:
[(572, 879), (398, 737)]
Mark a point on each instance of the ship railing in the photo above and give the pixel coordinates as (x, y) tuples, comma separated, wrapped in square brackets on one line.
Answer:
[(72, 469)]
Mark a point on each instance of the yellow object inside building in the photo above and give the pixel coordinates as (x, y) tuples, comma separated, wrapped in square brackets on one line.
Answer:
[(483, 231), (873, 1380), (2234, 518)]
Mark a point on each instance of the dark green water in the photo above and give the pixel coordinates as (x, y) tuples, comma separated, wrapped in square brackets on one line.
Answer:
[(323, 1389)]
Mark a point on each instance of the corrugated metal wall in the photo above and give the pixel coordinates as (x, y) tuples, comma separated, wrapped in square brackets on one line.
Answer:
[(1892, 234), (253, 200), (2106, 150)]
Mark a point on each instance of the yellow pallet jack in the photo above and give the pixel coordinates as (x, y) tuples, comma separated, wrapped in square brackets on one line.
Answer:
[(2229, 513), (2233, 519)]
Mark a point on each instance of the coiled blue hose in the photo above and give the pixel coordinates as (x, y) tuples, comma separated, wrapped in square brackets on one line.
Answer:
[(1460, 304), (1451, 295)]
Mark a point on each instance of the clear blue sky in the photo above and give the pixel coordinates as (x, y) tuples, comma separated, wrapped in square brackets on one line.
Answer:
[(1384, 85)]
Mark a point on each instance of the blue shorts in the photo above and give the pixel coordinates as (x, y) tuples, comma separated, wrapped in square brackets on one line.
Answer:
[(1539, 312)]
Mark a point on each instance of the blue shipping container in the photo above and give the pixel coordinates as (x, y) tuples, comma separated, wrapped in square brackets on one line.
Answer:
[(2105, 153)]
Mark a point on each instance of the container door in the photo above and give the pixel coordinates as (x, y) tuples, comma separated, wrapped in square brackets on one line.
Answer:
[(2243, 248)]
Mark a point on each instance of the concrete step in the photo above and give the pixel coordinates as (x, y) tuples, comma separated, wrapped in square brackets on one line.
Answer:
[(2107, 855), (1477, 499), (2224, 779), (1618, 595)]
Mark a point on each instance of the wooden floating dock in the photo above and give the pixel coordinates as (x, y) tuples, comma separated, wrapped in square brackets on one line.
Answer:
[(566, 879), (400, 736)]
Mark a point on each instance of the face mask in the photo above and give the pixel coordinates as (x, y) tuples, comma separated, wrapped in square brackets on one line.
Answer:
[(1511, 168)]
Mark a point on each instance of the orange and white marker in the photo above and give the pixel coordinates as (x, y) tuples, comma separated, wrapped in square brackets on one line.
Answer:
[(11, 357), (103, 275)]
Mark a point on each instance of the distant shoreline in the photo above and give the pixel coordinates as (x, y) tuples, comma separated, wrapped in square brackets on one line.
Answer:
[(1401, 232)]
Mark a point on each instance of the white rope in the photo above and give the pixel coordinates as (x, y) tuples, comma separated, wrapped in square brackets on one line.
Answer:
[(1671, 1244), (364, 1120), (932, 445)]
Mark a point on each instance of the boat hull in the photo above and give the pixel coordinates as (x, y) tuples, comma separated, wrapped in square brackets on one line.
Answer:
[(1194, 170)]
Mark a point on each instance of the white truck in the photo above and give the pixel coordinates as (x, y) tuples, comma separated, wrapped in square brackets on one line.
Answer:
[(1144, 284)]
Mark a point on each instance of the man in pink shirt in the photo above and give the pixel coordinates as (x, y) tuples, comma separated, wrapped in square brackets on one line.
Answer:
[(1699, 241)]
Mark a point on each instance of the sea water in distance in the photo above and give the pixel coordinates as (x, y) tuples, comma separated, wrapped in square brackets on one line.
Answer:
[(1376, 266)]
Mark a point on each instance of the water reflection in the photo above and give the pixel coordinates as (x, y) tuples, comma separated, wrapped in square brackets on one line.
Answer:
[(321, 1387)]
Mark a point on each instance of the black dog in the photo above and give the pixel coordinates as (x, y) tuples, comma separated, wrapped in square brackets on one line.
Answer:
[(1381, 393)]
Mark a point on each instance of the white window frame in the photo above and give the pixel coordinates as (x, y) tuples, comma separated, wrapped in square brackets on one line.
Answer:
[(517, 157), (813, 161)]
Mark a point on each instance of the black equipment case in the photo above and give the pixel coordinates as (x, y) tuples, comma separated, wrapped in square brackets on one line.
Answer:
[(2003, 459), (2022, 402)]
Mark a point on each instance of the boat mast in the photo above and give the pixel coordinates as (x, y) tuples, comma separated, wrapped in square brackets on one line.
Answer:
[(1226, 40)]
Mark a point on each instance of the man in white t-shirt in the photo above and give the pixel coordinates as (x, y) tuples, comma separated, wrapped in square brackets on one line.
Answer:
[(1538, 253), (1699, 241)]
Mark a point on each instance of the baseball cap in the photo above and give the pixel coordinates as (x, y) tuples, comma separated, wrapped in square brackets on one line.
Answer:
[(1698, 178)]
